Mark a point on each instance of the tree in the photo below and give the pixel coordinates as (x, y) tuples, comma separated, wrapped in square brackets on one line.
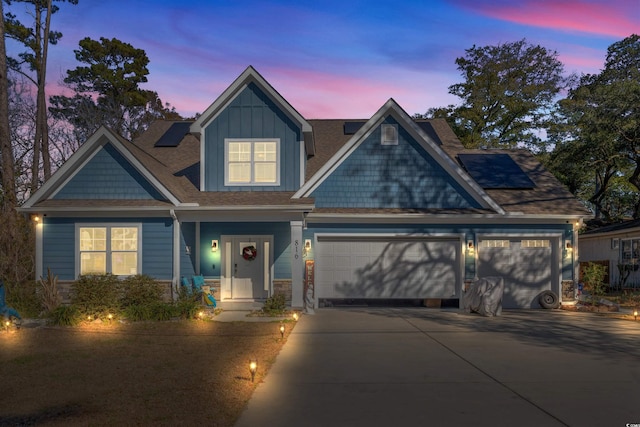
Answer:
[(599, 136), (107, 90), (507, 96), (36, 40), (8, 200)]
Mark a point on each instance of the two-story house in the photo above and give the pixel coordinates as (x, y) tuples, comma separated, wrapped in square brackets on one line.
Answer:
[(260, 200)]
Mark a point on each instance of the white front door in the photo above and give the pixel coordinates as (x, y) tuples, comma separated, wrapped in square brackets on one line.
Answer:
[(247, 266)]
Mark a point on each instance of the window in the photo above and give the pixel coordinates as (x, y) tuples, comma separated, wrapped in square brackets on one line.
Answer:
[(252, 162), (389, 135), (109, 249), (495, 244), (629, 251), (535, 244)]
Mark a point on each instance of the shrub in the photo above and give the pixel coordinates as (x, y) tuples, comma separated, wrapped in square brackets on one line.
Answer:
[(96, 294), (23, 298), (48, 291), (65, 315), (140, 290), (275, 304), (136, 313), (162, 311), (187, 305), (593, 277)]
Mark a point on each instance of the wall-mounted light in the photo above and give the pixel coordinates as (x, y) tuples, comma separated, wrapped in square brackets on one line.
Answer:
[(214, 246), (568, 248), (187, 250), (471, 250), (35, 218), (307, 246)]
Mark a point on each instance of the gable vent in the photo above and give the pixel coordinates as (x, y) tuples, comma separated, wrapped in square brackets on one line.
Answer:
[(389, 135)]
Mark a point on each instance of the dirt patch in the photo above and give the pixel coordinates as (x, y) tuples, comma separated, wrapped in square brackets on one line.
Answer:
[(156, 373)]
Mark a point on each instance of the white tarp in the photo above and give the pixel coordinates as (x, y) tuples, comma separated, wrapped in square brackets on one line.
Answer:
[(484, 296)]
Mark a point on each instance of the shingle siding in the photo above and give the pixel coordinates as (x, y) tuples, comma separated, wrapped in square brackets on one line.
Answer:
[(108, 175), (391, 176)]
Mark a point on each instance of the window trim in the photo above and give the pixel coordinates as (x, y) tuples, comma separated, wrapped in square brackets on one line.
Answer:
[(252, 182), (108, 251), (383, 137)]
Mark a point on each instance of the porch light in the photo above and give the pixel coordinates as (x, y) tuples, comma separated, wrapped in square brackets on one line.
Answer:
[(214, 246), (307, 247), (253, 367), (35, 218), (281, 331)]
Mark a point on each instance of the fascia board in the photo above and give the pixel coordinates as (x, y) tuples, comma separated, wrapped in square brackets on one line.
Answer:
[(419, 218), (249, 75)]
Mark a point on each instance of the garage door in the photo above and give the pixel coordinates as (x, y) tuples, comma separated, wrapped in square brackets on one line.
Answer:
[(528, 266), (390, 268)]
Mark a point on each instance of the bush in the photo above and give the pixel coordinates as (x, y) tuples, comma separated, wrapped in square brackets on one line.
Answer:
[(65, 315), (48, 291), (187, 305), (23, 298), (136, 313), (593, 277), (162, 311), (140, 290), (275, 304), (96, 294)]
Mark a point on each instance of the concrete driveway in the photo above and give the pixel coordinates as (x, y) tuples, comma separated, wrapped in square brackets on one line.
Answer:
[(410, 367)]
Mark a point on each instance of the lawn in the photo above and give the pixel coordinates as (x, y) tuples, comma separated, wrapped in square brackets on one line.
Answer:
[(146, 373)]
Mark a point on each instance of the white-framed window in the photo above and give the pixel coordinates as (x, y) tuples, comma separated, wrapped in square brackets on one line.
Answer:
[(630, 251), (251, 161), (495, 243), (541, 243), (111, 249), (389, 134)]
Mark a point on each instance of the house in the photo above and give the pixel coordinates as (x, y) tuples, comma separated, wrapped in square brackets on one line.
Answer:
[(260, 200), (617, 247)]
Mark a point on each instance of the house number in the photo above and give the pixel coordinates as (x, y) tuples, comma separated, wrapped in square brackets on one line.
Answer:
[(297, 244)]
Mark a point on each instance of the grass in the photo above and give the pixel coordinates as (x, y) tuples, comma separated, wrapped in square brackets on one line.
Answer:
[(145, 373)]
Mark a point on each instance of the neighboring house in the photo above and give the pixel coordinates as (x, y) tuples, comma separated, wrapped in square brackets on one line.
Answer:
[(617, 246), (257, 198)]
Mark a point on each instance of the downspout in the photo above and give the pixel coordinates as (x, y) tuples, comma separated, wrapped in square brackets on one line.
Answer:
[(176, 255)]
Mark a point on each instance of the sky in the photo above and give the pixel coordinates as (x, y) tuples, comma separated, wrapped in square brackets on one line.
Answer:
[(328, 58)]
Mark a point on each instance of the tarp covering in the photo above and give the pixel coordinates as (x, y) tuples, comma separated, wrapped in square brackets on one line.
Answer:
[(484, 296)]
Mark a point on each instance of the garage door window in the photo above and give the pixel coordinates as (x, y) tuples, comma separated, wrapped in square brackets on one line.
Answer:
[(495, 244), (535, 243)]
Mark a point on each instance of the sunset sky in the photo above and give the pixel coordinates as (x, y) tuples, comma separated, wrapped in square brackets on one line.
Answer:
[(332, 59)]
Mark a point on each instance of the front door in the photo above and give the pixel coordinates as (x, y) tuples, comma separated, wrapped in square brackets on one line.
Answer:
[(247, 265)]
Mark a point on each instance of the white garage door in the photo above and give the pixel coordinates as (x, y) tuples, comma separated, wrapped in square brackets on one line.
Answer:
[(528, 266), (391, 268)]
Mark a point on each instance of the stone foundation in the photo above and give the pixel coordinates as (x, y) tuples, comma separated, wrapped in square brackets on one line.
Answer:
[(283, 286)]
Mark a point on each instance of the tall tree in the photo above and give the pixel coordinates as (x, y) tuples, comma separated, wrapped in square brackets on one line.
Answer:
[(8, 200), (107, 90), (507, 96), (602, 130), (36, 39)]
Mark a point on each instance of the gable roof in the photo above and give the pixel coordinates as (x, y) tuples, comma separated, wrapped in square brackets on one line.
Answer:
[(250, 75), (392, 108), (94, 144)]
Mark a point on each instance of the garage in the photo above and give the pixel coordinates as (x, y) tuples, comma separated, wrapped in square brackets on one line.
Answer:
[(529, 266), (387, 267)]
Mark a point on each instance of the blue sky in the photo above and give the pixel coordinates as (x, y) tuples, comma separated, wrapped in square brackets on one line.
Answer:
[(333, 59)]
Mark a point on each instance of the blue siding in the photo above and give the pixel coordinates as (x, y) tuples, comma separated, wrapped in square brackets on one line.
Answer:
[(108, 175), (391, 176), (252, 115), (210, 263), (59, 245), (157, 248)]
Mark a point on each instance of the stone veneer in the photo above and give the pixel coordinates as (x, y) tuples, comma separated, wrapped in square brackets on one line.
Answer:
[(283, 286)]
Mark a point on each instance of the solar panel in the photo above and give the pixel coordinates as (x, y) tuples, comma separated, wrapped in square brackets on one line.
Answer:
[(173, 135), (495, 171), (351, 128)]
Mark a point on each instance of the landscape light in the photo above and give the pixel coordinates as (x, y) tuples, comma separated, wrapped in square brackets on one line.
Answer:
[(201, 314), (635, 314), (7, 324), (109, 316), (295, 316), (282, 331), (253, 367)]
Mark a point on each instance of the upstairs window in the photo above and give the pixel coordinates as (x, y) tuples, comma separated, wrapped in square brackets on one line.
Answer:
[(252, 162), (109, 249)]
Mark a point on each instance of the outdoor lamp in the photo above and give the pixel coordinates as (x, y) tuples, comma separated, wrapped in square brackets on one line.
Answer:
[(214, 246), (201, 314), (253, 367), (471, 249), (7, 324), (295, 316), (635, 314), (282, 331), (110, 316)]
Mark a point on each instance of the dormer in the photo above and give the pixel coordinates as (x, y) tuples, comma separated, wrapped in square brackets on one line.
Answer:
[(252, 139)]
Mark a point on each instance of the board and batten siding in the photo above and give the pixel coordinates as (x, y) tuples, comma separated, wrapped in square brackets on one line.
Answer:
[(59, 245), (108, 175), (391, 176), (252, 115)]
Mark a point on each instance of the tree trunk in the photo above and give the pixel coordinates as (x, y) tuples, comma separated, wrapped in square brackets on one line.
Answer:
[(8, 199), (42, 101)]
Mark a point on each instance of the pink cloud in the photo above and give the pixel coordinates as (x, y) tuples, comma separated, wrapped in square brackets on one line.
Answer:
[(619, 19)]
